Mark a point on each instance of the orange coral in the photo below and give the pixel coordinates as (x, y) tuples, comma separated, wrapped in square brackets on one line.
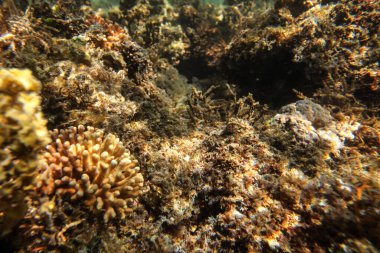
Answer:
[(94, 169)]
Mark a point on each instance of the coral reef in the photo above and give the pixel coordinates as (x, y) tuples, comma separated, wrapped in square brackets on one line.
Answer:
[(223, 187), (84, 176), (153, 24), (182, 32), (23, 132), (309, 46), (255, 125)]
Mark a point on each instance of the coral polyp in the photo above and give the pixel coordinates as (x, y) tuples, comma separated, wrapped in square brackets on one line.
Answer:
[(92, 169)]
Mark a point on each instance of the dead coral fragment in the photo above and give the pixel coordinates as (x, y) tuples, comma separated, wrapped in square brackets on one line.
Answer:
[(94, 169)]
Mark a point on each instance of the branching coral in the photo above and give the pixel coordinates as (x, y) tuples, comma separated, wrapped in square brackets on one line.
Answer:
[(91, 168), (22, 132)]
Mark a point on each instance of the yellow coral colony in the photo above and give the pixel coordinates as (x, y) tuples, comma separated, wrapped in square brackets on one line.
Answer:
[(22, 133), (87, 167)]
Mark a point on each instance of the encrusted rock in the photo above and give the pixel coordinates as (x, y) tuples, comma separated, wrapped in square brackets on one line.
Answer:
[(309, 123)]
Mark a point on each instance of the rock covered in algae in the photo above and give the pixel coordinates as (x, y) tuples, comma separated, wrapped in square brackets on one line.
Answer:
[(22, 132), (307, 124), (309, 45), (92, 168)]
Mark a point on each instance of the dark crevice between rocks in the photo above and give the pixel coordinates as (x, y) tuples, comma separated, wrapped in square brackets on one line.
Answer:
[(328, 234), (210, 204), (271, 77), (195, 67), (6, 244)]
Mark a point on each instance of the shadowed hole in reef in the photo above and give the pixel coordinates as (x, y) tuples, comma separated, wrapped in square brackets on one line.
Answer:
[(170, 228), (195, 67), (210, 204), (240, 245), (270, 77), (6, 245), (371, 98)]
